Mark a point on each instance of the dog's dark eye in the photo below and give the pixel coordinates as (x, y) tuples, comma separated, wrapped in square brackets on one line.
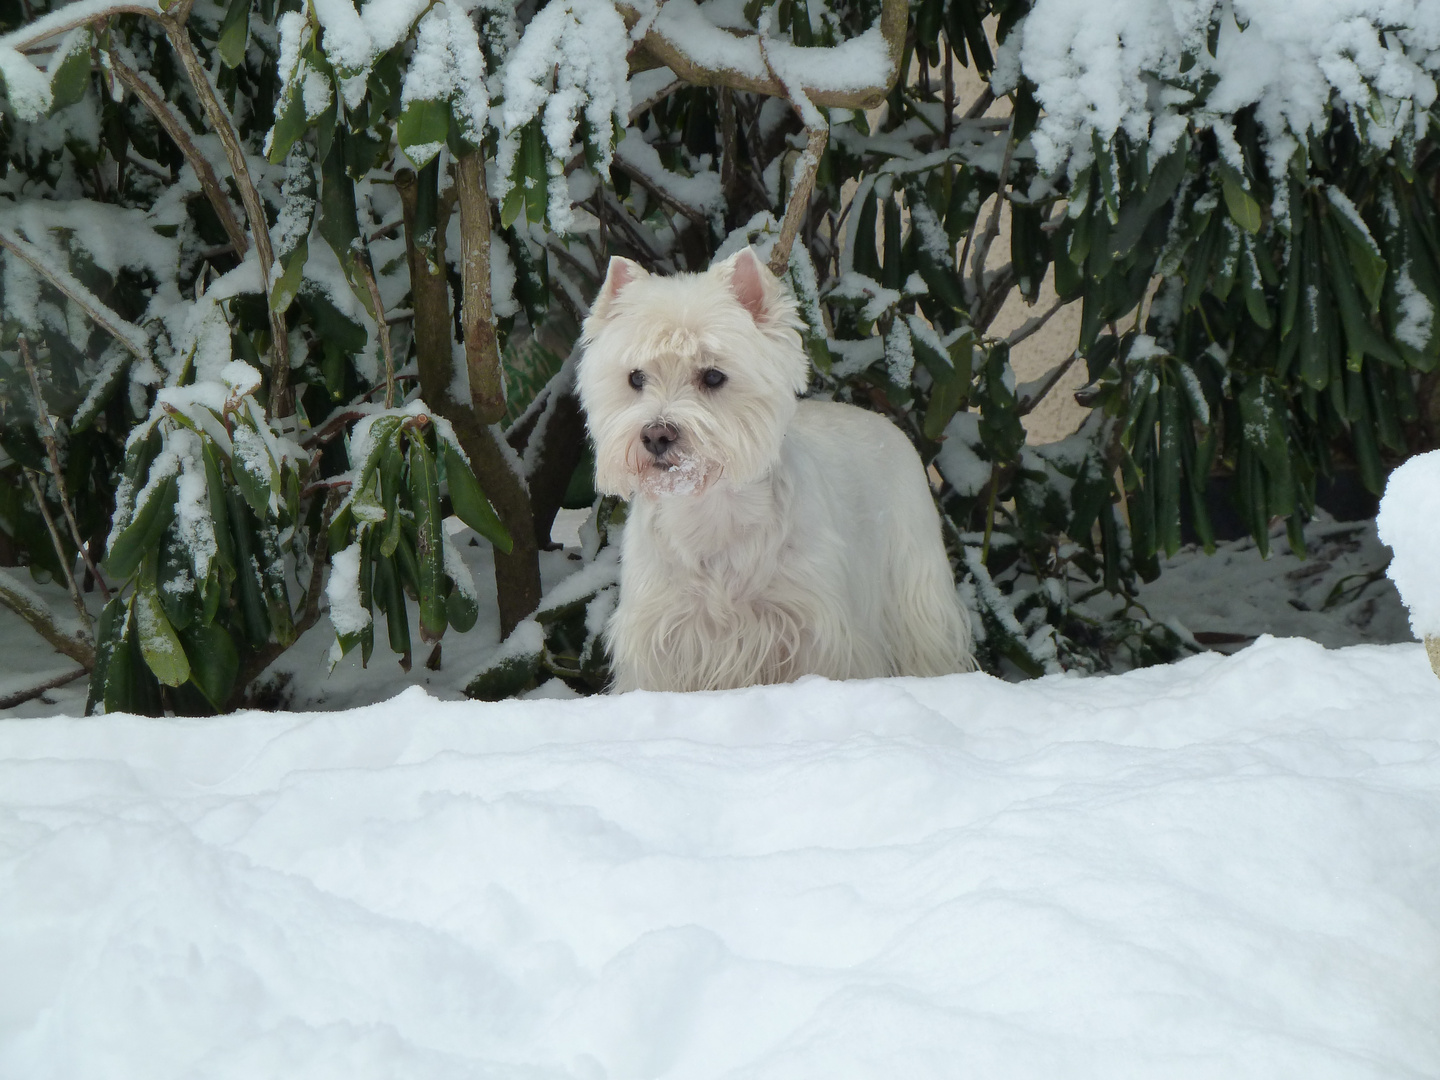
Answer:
[(713, 378), (637, 379)]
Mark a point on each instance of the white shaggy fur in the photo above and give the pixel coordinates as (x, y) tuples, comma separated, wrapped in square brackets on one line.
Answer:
[(767, 537)]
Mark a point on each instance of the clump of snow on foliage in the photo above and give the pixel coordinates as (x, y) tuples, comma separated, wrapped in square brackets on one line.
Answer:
[(447, 65), (193, 523), (1417, 314), (342, 590), (240, 378), (570, 63), (1409, 522), (1094, 68), (456, 569), (26, 87), (965, 470)]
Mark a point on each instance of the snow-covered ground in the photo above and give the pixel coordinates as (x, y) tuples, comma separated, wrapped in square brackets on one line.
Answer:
[(1228, 867)]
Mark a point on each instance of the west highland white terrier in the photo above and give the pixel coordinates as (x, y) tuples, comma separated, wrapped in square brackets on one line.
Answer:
[(768, 537)]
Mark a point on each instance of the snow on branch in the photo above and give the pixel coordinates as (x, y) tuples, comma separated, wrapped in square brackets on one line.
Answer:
[(127, 333), (68, 17), (26, 603), (856, 74)]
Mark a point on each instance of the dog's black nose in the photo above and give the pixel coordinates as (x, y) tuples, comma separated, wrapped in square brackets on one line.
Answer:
[(658, 438)]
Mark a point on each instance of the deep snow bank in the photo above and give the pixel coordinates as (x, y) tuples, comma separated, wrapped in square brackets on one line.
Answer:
[(1225, 868)]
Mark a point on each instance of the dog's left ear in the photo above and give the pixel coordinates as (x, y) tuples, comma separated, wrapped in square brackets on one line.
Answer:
[(621, 272), (752, 283)]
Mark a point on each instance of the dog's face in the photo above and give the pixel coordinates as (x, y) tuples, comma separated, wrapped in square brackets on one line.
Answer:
[(689, 378)]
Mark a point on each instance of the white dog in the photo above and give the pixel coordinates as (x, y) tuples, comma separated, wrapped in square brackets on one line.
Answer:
[(767, 537)]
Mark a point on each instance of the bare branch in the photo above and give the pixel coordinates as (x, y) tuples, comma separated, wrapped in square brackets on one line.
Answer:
[(179, 132), (661, 195), (63, 20), (75, 597), (992, 228), (41, 619), (382, 325), (9, 701), (727, 145), (52, 447), (801, 185), (641, 108)]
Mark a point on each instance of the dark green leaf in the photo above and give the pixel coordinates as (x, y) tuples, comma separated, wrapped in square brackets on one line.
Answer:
[(470, 504), (214, 662), (157, 639)]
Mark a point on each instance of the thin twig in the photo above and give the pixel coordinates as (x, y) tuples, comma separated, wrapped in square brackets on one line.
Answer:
[(311, 612), (728, 145), (382, 327), (1031, 326), (157, 171), (992, 228), (949, 92), (555, 247), (52, 447), (9, 701), (1052, 379), (802, 178), (180, 135), (641, 108), (75, 596), (980, 104)]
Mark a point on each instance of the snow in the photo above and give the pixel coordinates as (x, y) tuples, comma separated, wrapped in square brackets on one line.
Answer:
[(1222, 868), (857, 63), (701, 191), (958, 462), (1417, 314), (570, 61), (342, 590), (447, 66), (1409, 521), (26, 87)]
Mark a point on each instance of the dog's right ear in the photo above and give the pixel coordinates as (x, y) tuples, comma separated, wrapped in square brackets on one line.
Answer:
[(621, 272)]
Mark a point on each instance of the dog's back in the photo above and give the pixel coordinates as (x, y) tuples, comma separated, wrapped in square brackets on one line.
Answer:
[(873, 493)]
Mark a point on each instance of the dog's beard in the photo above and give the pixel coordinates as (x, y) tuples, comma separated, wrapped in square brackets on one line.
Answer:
[(684, 476)]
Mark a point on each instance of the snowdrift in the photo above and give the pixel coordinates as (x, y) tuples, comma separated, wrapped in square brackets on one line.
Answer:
[(1225, 868)]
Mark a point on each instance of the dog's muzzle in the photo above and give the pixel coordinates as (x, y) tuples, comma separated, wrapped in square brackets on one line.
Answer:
[(659, 438)]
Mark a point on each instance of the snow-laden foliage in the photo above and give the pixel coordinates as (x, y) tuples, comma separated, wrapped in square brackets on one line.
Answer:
[(1152, 68)]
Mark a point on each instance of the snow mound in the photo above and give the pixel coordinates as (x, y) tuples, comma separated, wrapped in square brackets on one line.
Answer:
[(1224, 868), (1409, 522)]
